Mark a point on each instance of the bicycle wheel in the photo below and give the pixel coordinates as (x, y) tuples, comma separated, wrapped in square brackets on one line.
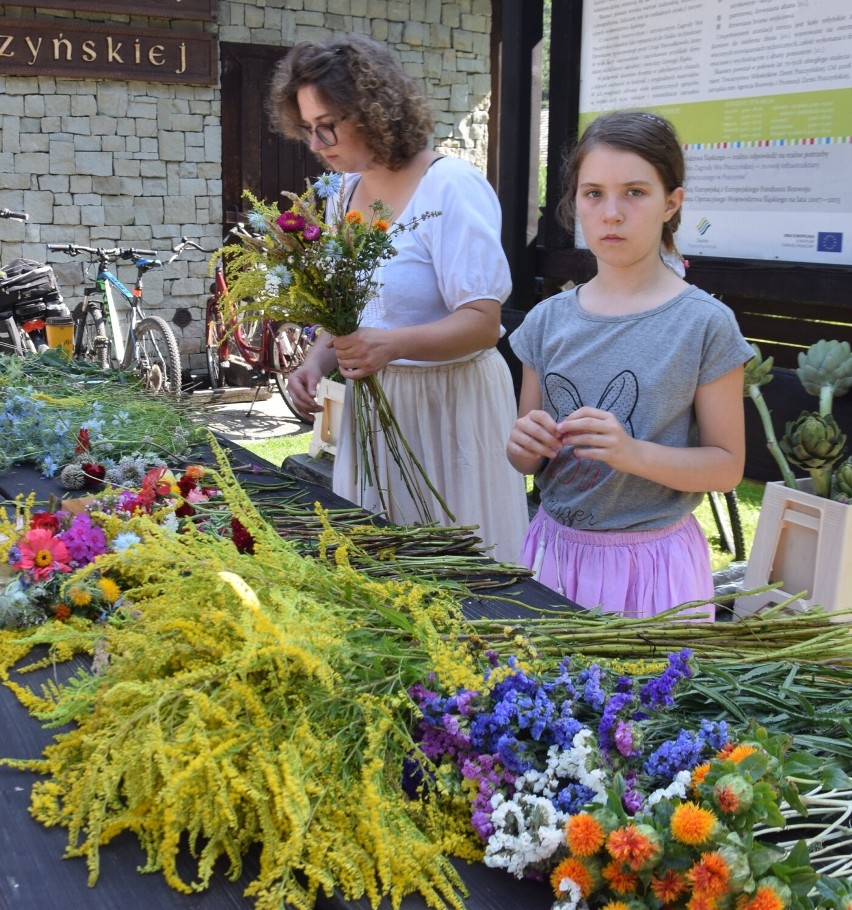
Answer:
[(157, 357), (288, 353), (91, 341), (218, 347)]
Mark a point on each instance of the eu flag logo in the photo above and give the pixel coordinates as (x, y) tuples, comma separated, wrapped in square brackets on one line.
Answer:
[(829, 241)]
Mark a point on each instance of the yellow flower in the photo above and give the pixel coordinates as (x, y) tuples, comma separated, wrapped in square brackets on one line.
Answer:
[(109, 589), (691, 824), (80, 597)]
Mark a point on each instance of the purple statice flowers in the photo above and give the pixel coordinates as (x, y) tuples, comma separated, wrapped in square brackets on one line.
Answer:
[(515, 730)]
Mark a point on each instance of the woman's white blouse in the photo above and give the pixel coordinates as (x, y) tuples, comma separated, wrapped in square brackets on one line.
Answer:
[(448, 260)]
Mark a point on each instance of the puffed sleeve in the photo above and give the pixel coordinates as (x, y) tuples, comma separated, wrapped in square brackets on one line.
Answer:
[(464, 241)]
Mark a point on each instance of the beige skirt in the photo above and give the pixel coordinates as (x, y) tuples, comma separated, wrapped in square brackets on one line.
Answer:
[(456, 418)]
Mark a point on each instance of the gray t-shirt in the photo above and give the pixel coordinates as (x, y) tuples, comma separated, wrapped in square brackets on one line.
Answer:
[(645, 368)]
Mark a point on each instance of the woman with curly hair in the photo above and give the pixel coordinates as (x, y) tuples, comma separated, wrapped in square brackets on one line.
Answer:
[(432, 329)]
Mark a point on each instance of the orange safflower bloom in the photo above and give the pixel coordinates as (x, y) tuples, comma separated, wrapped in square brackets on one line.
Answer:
[(584, 834), (577, 871), (669, 886), (381, 225), (737, 753), (691, 824), (710, 876), (765, 899), (727, 800), (621, 881), (698, 775), (701, 902), (631, 846), (62, 612), (615, 905), (194, 472), (354, 217)]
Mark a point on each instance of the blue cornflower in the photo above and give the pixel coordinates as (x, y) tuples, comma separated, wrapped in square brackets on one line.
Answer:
[(328, 185)]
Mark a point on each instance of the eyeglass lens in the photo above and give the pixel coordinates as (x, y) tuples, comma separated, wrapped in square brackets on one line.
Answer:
[(323, 131)]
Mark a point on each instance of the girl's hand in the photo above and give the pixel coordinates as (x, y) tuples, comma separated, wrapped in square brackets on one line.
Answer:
[(534, 436), (364, 352), (599, 435)]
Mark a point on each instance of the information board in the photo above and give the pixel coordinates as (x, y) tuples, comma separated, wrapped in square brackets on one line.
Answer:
[(760, 92)]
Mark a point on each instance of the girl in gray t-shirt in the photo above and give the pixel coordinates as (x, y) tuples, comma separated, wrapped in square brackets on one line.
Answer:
[(631, 404)]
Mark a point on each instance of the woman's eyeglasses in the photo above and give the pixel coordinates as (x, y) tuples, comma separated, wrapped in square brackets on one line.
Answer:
[(325, 132)]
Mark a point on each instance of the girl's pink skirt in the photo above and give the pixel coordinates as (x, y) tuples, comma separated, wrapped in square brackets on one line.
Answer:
[(634, 573)]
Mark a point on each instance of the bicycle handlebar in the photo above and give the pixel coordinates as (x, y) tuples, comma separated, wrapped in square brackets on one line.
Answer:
[(101, 253), (18, 216), (186, 242)]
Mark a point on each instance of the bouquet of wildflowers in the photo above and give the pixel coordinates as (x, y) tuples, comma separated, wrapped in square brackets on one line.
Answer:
[(299, 267), (583, 779), (49, 559)]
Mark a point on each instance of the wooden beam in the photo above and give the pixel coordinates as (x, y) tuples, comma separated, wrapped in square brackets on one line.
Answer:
[(513, 140), (564, 112)]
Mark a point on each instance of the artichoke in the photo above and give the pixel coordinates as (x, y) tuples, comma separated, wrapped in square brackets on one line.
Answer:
[(757, 371), (843, 482), (825, 370), (814, 442)]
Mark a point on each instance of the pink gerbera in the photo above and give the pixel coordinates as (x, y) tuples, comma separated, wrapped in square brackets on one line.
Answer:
[(42, 553)]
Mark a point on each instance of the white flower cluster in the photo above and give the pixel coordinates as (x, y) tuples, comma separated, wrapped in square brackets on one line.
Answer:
[(528, 828), (677, 788), (572, 896)]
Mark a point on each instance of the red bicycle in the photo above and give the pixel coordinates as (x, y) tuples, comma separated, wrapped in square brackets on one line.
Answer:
[(271, 348)]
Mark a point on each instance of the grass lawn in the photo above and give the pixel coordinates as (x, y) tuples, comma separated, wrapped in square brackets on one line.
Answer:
[(749, 493)]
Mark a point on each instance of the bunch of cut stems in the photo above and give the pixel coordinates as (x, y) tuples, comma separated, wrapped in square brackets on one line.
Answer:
[(771, 634)]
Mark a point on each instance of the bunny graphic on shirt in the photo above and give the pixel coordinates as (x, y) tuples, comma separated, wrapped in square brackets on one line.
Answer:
[(619, 398)]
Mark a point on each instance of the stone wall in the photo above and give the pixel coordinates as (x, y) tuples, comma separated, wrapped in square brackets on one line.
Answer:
[(109, 163)]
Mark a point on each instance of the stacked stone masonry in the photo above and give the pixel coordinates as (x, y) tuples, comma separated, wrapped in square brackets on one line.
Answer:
[(116, 163)]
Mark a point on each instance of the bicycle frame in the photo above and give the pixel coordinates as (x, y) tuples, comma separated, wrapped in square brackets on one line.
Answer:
[(261, 356), (124, 345)]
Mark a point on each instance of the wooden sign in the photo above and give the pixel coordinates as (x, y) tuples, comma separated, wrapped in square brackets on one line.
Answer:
[(204, 10), (86, 50)]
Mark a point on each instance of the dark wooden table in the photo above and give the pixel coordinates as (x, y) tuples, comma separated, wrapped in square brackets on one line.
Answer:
[(33, 875)]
